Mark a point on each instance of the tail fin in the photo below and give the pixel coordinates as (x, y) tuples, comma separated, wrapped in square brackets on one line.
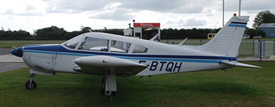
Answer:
[(227, 41)]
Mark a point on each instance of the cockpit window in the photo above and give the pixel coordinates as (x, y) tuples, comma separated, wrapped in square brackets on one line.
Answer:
[(72, 43), (140, 49), (94, 44), (120, 46)]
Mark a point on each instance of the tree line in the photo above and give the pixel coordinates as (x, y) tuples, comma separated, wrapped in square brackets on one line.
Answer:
[(50, 33), (56, 33), (183, 33)]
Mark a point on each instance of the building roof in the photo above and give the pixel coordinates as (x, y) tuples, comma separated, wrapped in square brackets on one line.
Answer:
[(267, 25)]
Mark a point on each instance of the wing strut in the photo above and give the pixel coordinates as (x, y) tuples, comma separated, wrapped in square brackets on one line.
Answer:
[(182, 41), (154, 37)]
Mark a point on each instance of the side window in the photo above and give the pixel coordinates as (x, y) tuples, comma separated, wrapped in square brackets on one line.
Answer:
[(140, 49), (94, 44), (120, 46)]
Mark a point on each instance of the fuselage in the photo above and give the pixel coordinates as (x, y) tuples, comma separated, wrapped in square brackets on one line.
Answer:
[(159, 58)]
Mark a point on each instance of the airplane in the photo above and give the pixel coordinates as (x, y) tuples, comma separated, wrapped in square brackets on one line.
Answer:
[(111, 55)]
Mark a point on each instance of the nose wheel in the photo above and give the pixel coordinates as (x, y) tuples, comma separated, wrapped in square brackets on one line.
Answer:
[(31, 84)]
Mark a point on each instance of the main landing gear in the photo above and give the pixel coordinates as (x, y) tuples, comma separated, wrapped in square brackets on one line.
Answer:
[(31, 84), (108, 89), (109, 84)]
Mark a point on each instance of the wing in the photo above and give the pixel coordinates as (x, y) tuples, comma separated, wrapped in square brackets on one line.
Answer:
[(100, 64)]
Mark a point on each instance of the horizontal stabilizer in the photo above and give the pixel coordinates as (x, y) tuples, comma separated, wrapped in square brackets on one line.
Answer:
[(240, 64), (246, 65)]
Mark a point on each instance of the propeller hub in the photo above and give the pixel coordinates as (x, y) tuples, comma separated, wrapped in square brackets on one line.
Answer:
[(17, 51)]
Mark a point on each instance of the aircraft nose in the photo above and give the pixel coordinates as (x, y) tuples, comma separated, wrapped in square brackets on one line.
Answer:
[(17, 51)]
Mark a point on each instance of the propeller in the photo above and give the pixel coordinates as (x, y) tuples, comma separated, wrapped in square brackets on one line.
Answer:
[(17, 51)]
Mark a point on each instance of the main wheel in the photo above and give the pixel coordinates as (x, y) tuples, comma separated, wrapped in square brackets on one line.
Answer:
[(108, 93), (30, 85)]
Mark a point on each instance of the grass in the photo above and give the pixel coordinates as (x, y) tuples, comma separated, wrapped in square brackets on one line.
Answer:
[(235, 87)]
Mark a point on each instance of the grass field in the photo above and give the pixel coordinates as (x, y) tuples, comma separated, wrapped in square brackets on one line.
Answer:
[(215, 88)]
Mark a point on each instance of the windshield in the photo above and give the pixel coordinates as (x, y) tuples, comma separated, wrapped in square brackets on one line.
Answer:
[(95, 44), (72, 43)]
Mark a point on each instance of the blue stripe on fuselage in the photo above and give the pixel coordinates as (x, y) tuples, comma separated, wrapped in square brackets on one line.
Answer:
[(52, 49), (43, 47)]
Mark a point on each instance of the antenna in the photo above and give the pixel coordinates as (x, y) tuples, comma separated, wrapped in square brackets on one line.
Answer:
[(239, 7), (222, 13)]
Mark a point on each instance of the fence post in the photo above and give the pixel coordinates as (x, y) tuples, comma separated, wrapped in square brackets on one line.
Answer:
[(254, 47), (259, 41), (201, 42), (264, 49), (274, 47), (260, 50)]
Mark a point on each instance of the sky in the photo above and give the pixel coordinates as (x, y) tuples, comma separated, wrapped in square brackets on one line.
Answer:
[(71, 15)]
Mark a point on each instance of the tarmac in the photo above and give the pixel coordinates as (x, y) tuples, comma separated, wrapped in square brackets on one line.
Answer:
[(9, 62)]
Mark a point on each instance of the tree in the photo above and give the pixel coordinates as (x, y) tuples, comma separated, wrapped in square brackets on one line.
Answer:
[(254, 32), (50, 33), (86, 29), (263, 17)]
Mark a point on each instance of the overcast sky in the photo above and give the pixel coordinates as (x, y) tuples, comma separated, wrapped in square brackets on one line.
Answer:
[(72, 14)]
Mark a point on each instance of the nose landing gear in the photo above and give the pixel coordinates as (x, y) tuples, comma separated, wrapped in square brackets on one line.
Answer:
[(31, 84)]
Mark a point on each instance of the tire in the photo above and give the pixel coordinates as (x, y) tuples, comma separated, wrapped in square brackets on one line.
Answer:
[(108, 93), (30, 86)]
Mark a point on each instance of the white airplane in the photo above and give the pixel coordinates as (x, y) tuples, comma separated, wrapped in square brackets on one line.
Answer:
[(112, 55)]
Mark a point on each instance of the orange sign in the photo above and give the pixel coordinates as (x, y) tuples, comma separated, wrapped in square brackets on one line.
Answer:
[(146, 24)]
